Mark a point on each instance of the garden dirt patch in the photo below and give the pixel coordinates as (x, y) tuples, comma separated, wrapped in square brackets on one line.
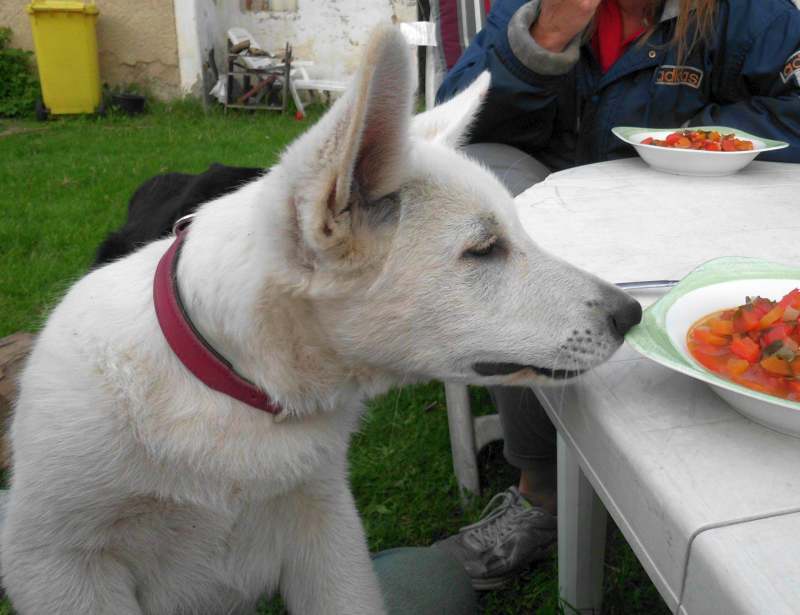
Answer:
[(16, 130), (14, 350)]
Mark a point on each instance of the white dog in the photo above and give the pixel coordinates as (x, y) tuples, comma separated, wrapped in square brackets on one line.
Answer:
[(373, 252)]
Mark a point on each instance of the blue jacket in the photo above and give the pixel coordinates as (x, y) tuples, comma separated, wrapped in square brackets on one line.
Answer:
[(560, 108)]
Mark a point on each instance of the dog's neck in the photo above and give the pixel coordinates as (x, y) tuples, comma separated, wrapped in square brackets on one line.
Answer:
[(246, 292)]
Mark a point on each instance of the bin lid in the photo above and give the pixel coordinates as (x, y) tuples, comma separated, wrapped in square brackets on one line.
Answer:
[(62, 6)]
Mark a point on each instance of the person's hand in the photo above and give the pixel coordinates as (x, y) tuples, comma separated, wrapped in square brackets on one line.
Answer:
[(560, 21)]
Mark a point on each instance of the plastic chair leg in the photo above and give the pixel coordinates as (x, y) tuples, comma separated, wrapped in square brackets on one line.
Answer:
[(462, 439), (296, 97)]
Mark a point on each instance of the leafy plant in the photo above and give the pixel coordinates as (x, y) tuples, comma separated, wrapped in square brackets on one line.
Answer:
[(19, 86)]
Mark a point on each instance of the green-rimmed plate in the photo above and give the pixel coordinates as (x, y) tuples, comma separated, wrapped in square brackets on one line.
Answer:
[(719, 284), (692, 161)]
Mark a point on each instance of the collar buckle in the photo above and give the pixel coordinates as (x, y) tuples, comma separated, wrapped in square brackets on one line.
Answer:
[(182, 223)]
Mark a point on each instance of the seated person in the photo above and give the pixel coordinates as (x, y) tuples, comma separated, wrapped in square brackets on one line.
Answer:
[(564, 72)]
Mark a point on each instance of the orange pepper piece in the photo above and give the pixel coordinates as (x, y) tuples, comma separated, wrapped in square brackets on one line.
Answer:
[(721, 327), (773, 316), (775, 365), (704, 335), (737, 367)]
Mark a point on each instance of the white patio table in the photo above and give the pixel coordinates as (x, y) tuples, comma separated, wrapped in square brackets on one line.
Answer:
[(708, 500)]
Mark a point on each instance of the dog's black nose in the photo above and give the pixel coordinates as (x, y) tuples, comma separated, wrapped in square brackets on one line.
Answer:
[(625, 316)]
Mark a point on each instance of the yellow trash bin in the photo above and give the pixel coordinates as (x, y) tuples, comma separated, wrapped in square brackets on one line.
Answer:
[(66, 55)]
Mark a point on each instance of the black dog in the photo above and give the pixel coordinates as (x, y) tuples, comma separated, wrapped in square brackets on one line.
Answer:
[(161, 200)]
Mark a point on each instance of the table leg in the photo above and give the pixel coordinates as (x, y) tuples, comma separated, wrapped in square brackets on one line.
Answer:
[(581, 536)]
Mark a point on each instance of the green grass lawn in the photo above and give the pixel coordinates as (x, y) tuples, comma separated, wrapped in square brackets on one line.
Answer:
[(66, 184)]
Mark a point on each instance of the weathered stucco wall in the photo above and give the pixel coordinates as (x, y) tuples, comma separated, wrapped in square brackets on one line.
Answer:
[(163, 44), (331, 33), (136, 41), (13, 15)]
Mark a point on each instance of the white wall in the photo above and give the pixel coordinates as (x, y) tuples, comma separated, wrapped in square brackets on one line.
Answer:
[(331, 33), (188, 43)]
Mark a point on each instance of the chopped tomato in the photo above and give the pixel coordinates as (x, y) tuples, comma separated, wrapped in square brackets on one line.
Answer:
[(745, 348), (791, 299), (746, 319), (708, 140), (761, 306), (779, 332), (756, 345)]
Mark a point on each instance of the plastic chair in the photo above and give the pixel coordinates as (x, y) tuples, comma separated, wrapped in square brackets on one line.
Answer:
[(452, 25), (301, 82)]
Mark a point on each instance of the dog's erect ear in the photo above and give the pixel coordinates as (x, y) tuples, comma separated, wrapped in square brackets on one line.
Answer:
[(357, 152), (374, 145), (449, 122)]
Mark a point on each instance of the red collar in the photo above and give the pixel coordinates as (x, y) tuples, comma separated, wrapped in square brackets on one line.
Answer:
[(197, 355)]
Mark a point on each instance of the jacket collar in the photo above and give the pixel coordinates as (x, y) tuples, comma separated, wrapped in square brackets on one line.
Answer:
[(670, 10), (651, 54)]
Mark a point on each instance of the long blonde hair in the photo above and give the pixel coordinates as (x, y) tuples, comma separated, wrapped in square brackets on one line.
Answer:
[(703, 18), (701, 13)]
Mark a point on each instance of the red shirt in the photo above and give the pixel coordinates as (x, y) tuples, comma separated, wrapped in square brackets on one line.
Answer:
[(607, 40)]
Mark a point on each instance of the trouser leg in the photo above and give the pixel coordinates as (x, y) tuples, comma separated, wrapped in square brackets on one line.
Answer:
[(529, 435), (423, 581)]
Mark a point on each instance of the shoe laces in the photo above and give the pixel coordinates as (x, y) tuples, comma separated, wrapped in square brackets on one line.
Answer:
[(503, 511)]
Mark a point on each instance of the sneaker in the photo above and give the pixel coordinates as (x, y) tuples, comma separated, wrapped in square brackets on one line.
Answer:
[(511, 535)]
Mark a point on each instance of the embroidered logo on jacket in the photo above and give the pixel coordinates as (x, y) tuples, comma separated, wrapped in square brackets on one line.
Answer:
[(679, 75), (792, 68)]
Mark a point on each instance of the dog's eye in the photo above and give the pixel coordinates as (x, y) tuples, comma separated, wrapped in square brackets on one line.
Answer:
[(485, 248)]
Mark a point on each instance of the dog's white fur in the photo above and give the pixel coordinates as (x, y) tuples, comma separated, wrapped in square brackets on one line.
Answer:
[(136, 489)]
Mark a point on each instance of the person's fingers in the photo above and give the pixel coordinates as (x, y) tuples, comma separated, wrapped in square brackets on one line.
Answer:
[(561, 20)]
